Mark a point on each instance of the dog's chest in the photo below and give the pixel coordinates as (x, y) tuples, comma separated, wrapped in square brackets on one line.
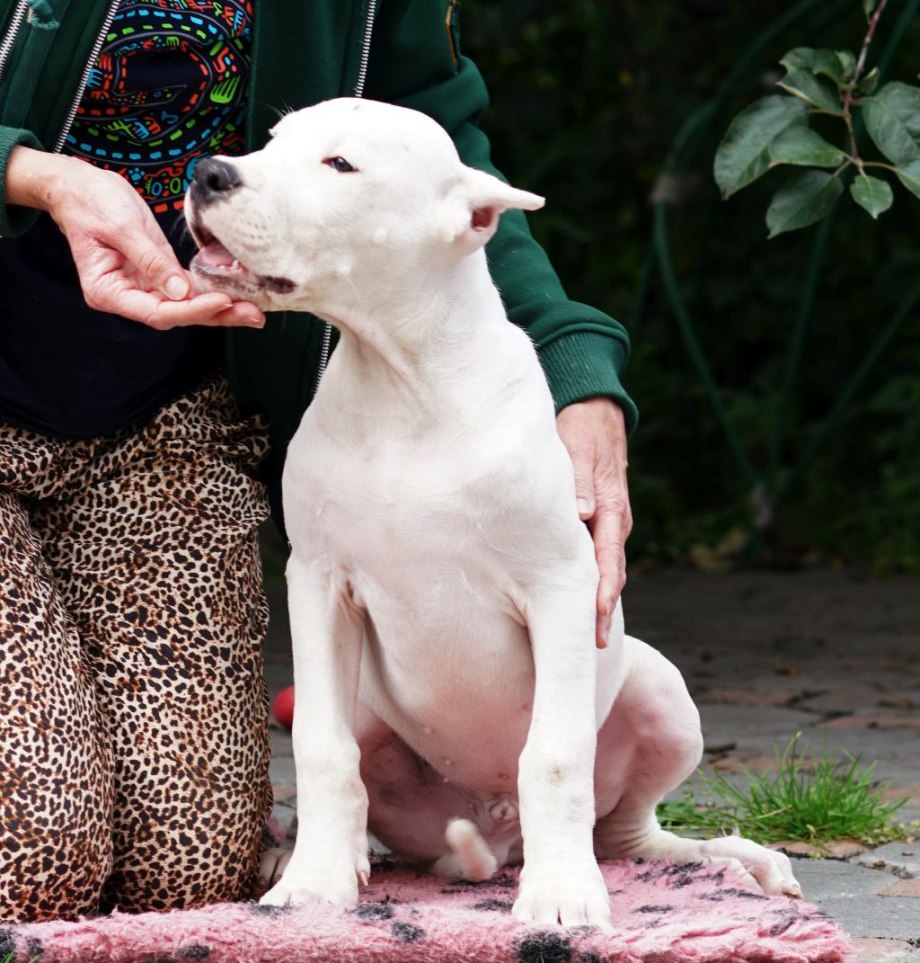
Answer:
[(432, 516), (430, 500)]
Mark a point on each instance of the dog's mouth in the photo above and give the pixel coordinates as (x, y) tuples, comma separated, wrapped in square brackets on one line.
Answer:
[(218, 268)]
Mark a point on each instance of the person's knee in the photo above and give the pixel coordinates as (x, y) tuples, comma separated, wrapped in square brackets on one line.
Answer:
[(49, 873), (201, 857)]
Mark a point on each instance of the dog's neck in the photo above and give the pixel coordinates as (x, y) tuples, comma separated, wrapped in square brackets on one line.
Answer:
[(415, 328), (421, 349)]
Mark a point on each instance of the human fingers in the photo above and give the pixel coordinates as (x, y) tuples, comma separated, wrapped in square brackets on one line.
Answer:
[(609, 528), (212, 310), (595, 437)]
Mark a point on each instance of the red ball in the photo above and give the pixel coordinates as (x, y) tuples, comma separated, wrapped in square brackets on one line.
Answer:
[(283, 707)]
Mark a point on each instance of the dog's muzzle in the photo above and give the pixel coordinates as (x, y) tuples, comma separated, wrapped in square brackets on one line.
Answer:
[(215, 267), (214, 179)]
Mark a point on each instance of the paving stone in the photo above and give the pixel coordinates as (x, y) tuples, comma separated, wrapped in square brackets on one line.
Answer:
[(825, 879), (905, 887), (282, 770), (851, 894), (910, 793), (902, 858), (883, 951), (739, 763), (874, 722), (871, 695), (749, 728), (282, 793), (835, 849), (844, 848), (745, 697)]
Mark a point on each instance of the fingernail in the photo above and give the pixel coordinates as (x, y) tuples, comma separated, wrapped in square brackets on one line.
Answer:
[(253, 321), (584, 506), (176, 288)]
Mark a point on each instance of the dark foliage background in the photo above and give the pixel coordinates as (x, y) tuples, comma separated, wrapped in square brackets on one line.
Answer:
[(588, 97)]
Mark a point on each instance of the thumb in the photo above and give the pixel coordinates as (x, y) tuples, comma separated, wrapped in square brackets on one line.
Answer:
[(156, 264)]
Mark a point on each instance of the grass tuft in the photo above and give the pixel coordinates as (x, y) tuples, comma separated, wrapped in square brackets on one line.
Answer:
[(11, 957), (812, 801)]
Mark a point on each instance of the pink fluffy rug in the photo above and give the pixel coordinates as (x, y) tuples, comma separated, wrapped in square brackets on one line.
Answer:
[(662, 914)]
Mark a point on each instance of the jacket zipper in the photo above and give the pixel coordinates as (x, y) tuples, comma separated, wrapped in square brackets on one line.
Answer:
[(84, 80), (11, 33), (365, 48), (359, 92)]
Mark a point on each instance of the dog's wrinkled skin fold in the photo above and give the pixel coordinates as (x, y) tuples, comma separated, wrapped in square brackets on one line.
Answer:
[(441, 587)]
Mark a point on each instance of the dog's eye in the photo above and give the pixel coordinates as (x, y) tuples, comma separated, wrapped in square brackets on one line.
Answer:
[(339, 164)]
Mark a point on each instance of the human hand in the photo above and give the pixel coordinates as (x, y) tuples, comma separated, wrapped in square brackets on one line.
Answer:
[(594, 432), (126, 265)]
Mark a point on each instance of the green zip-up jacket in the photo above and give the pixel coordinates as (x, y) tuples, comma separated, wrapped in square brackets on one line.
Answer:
[(304, 51)]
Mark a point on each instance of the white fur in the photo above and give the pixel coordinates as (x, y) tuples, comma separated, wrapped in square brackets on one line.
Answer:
[(441, 585)]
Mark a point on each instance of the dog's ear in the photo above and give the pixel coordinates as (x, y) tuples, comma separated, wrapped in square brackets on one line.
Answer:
[(474, 203)]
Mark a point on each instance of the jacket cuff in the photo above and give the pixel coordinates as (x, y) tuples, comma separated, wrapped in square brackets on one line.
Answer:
[(586, 365), (14, 220)]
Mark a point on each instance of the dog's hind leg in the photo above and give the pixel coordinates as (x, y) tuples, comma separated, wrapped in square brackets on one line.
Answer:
[(471, 858), (414, 810), (649, 745)]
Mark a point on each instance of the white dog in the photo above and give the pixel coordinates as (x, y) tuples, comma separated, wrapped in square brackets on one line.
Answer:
[(450, 696)]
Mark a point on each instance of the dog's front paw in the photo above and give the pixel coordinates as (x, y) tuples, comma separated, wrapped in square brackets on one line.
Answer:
[(315, 884), (572, 897)]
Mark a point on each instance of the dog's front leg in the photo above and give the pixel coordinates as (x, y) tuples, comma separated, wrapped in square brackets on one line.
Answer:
[(330, 854), (560, 881)]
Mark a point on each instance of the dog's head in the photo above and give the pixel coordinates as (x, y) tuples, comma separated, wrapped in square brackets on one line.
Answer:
[(346, 194)]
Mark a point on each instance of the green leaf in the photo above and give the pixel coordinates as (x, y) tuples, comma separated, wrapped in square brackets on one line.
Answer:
[(799, 57), (868, 83), (802, 145), (847, 61), (814, 91), (909, 176), (802, 201), (868, 7), (837, 65), (832, 64), (744, 154), (872, 194), (892, 119)]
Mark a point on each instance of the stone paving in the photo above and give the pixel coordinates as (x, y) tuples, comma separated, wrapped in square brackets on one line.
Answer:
[(766, 656)]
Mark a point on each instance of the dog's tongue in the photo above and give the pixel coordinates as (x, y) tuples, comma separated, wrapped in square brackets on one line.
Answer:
[(215, 254)]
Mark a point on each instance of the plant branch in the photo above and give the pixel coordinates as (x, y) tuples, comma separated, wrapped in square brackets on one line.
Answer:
[(867, 40), (857, 73), (882, 165)]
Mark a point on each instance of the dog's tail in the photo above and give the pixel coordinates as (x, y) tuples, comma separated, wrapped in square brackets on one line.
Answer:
[(470, 856)]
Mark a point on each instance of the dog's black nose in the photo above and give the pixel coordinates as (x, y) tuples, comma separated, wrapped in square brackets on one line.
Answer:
[(214, 179)]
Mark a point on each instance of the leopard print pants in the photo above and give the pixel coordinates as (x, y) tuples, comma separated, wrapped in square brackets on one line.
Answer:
[(133, 711)]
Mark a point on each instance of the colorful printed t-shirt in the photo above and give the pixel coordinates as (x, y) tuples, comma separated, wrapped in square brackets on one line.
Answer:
[(167, 88)]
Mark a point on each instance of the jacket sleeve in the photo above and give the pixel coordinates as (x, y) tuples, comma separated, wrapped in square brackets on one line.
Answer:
[(13, 220), (416, 62)]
